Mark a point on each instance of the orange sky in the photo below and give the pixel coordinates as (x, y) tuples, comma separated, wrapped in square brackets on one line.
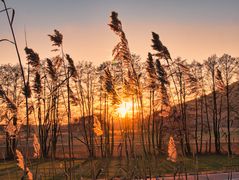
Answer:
[(189, 37)]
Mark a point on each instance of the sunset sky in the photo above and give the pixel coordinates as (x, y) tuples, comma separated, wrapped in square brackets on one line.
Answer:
[(190, 29)]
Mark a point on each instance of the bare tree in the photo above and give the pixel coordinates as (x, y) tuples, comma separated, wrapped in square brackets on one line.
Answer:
[(211, 65), (227, 66)]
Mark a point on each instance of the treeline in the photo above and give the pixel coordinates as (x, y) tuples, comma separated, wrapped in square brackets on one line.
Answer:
[(53, 92)]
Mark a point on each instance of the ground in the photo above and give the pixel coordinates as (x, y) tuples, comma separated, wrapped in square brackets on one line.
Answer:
[(139, 167)]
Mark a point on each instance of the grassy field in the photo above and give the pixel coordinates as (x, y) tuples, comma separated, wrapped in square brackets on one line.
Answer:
[(126, 169)]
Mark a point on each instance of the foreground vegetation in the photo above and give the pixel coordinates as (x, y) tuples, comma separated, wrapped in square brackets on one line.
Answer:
[(126, 169)]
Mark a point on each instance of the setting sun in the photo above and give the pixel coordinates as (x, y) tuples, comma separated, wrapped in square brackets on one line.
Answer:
[(124, 108)]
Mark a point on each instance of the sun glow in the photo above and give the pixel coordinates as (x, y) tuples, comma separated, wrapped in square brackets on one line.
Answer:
[(124, 108)]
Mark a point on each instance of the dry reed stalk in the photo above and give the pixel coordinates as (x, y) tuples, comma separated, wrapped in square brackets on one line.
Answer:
[(21, 164), (172, 151)]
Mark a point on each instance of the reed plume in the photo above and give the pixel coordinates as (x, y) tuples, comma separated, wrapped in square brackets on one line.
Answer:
[(97, 127), (36, 146), (150, 66), (57, 61), (160, 48), (32, 58), (162, 78), (161, 73), (51, 70), (37, 87), (56, 38), (121, 50), (110, 87), (21, 165), (172, 151), (115, 23), (152, 85), (71, 66), (20, 159), (26, 90)]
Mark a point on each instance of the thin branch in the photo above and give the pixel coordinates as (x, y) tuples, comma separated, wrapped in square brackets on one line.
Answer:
[(1, 40)]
